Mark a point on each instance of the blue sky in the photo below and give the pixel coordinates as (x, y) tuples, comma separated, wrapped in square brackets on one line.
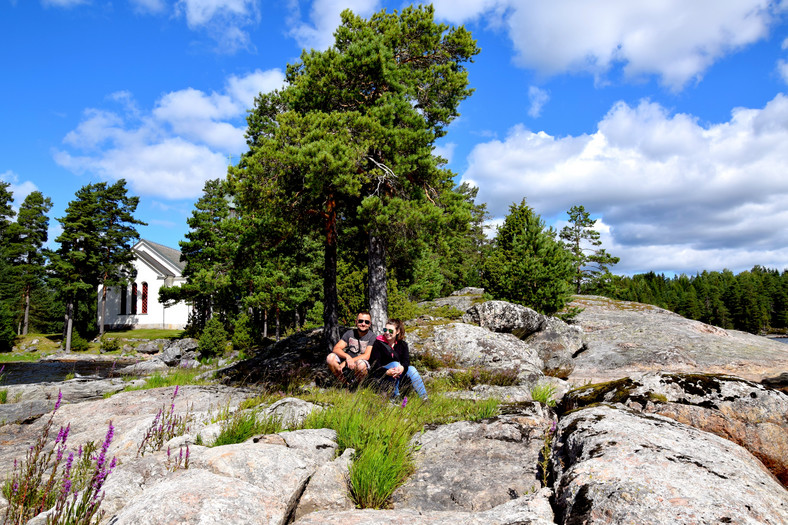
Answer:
[(667, 120)]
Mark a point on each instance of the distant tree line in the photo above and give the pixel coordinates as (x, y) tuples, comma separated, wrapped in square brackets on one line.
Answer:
[(754, 301)]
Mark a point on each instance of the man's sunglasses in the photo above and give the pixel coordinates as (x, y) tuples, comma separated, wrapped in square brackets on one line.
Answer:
[(389, 330), (363, 321)]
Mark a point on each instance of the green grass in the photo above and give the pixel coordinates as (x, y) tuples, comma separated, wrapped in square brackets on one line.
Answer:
[(3, 396), (380, 432), (544, 393), (146, 333), (177, 376), (244, 424)]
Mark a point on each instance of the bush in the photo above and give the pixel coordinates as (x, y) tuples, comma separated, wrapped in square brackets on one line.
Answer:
[(109, 344), (78, 344), (242, 335), (213, 340)]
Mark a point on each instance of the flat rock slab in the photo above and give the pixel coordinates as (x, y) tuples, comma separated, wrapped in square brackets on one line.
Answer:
[(623, 338), (475, 466), (131, 414), (617, 466), (535, 510), (199, 496)]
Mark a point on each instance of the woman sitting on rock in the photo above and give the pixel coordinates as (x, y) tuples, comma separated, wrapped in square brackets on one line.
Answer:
[(390, 359)]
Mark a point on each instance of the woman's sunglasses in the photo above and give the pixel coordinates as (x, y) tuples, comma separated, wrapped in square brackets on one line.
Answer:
[(389, 330)]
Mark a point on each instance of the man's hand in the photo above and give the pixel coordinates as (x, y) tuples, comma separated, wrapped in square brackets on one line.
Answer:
[(351, 362)]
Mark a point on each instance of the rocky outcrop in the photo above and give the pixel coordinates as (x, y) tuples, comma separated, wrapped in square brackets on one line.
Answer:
[(747, 413), (624, 338), (501, 316), (467, 346), (460, 300), (617, 466), (555, 341), (476, 466)]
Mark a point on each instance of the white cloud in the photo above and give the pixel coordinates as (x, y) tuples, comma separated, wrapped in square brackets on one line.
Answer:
[(324, 19), (445, 150), (20, 190), (538, 98), (674, 193), (782, 69), (171, 150), (646, 38), (226, 21)]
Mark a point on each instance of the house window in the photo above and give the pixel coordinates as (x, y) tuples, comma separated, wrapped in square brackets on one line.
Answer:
[(134, 299), (124, 292), (145, 298)]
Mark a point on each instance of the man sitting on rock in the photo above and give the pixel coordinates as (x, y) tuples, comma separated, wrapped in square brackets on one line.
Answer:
[(351, 353)]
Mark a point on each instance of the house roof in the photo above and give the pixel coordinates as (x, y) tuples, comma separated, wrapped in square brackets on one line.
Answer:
[(170, 255)]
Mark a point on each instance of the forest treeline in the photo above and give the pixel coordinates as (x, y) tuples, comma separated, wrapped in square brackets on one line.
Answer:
[(754, 301)]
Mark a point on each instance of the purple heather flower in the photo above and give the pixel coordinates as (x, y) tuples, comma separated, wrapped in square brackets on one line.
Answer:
[(59, 399), (404, 401)]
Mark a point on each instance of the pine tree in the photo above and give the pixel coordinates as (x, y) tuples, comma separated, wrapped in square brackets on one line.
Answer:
[(582, 240), (7, 285), (208, 252), (95, 248), (352, 134), (527, 265), (27, 237)]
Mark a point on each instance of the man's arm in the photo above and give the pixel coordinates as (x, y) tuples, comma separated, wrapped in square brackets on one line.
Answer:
[(339, 349)]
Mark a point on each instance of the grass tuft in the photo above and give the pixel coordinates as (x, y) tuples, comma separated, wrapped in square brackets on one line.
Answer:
[(380, 432), (244, 424), (544, 393)]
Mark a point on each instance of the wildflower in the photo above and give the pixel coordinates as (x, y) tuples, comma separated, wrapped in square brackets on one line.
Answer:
[(59, 399), (404, 401)]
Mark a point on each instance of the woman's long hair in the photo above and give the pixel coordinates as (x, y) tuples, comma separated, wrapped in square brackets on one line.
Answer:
[(400, 326)]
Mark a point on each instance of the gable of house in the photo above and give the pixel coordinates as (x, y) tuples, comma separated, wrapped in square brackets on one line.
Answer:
[(138, 306)]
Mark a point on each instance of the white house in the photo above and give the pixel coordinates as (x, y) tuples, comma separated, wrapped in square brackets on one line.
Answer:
[(138, 305)]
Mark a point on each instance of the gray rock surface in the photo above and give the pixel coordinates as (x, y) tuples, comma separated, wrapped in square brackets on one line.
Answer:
[(556, 343), (199, 496), (521, 511), (328, 488), (473, 346), (291, 411), (475, 466), (153, 347), (617, 466), (144, 367), (502, 316), (623, 338), (462, 300), (747, 413)]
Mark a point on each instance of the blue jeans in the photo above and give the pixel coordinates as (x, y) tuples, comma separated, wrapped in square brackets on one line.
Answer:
[(413, 375)]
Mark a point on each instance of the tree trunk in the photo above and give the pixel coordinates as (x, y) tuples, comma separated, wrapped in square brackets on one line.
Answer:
[(265, 323), (297, 319), (277, 323), (26, 323), (69, 324), (376, 278), (330, 296), (103, 308)]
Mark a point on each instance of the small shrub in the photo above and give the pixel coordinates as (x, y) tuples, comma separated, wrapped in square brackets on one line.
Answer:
[(547, 448), (109, 344), (242, 334), (78, 343), (3, 396), (213, 340), (544, 393)]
